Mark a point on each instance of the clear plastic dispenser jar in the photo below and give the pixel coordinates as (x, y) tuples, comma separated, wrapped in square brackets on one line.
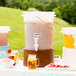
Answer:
[(38, 24), (4, 35)]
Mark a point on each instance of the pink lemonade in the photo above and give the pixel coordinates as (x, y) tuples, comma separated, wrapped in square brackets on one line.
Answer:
[(3, 39)]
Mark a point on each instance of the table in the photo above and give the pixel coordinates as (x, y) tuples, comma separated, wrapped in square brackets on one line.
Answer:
[(20, 70)]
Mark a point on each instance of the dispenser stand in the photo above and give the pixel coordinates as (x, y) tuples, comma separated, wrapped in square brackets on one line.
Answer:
[(45, 56)]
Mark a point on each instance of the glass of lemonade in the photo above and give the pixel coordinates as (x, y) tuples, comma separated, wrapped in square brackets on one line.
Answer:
[(32, 61)]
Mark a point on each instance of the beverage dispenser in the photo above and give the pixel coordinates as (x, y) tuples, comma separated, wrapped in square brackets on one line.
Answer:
[(38, 36), (69, 49)]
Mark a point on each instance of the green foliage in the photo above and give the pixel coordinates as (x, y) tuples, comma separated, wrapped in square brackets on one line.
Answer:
[(50, 6), (58, 12), (25, 5), (17, 5), (39, 6), (67, 12), (3, 2), (14, 3), (31, 3)]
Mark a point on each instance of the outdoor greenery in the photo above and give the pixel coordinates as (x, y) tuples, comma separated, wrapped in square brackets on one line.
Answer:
[(12, 17), (65, 9)]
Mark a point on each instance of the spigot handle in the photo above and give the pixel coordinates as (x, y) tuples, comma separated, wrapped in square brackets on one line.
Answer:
[(36, 40), (36, 47), (36, 43)]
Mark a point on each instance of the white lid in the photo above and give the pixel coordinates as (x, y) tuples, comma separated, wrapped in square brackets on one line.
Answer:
[(69, 30), (4, 29), (38, 16)]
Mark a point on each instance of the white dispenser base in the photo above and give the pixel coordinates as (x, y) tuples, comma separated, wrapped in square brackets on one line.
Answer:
[(69, 56)]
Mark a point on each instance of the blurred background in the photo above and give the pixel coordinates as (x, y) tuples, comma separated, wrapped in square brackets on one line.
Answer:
[(64, 9), (11, 11)]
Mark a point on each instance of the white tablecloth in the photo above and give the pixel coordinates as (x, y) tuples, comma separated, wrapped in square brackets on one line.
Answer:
[(20, 70)]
